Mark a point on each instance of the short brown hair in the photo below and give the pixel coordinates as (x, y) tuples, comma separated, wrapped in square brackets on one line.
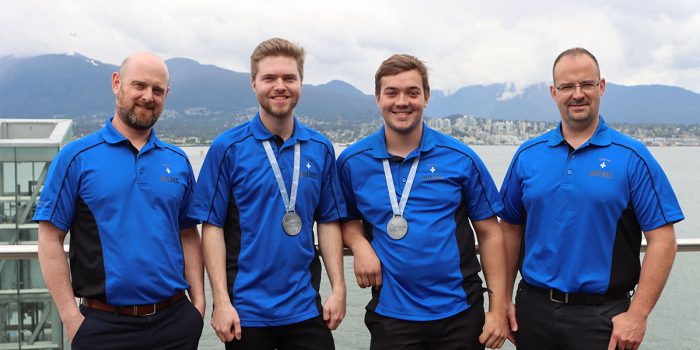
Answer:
[(575, 51), (400, 63), (277, 47)]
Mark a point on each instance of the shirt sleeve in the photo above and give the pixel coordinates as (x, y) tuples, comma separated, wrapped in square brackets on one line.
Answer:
[(213, 189), (512, 196), (652, 196), (184, 220), (58, 197), (480, 190), (332, 204), (346, 186)]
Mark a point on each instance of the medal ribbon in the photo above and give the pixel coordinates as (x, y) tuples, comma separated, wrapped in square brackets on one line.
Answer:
[(398, 208), (289, 202)]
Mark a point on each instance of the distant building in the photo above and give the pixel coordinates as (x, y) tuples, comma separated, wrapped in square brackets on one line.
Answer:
[(28, 317)]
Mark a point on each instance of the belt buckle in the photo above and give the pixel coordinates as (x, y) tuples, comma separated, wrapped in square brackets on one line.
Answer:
[(551, 297), (148, 314)]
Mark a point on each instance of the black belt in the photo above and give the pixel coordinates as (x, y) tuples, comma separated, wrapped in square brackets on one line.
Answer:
[(558, 296), (134, 310)]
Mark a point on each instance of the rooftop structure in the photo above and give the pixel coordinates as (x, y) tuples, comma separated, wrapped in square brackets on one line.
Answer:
[(28, 318)]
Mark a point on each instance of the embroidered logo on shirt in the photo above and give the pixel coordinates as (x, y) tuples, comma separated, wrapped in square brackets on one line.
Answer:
[(606, 174), (167, 177), (432, 168), (308, 172)]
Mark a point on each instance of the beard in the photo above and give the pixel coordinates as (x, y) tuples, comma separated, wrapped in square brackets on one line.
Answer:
[(277, 112), (141, 120), (145, 122)]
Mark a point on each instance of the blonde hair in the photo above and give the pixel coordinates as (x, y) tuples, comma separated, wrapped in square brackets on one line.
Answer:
[(277, 47)]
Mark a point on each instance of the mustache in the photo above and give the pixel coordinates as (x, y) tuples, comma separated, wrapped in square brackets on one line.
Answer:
[(580, 101)]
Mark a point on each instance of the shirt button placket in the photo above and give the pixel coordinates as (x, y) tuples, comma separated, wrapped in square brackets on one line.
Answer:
[(141, 171)]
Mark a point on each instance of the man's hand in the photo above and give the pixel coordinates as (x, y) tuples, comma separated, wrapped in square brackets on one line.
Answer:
[(334, 309), (513, 322), (72, 324), (226, 323), (628, 331), (368, 269), (495, 330)]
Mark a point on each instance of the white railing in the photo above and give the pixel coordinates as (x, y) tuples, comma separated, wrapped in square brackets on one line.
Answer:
[(29, 251)]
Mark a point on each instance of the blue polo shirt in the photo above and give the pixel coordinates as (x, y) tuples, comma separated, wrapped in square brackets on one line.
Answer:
[(124, 210), (273, 278), (432, 272), (584, 209)]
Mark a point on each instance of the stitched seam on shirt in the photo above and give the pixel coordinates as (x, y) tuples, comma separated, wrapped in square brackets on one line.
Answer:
[(512, 168), (63, 181), (478, 174), (218, 175), (651, 178)]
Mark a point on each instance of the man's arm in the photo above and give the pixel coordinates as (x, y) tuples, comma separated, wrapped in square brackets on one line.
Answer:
[(330, 243), (629, 327), (224, 319), (493, 259), (368, 268), (54, 268), (194, 268), (512, 236)]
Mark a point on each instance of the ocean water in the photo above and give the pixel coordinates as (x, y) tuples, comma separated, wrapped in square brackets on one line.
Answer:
[(673, 324)]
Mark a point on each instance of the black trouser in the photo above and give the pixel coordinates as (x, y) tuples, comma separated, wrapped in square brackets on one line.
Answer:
[(548, 325), (460, 331), (177, 327), (312, 334)]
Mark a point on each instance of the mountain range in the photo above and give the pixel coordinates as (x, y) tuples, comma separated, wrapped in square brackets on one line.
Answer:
[(73, 85)]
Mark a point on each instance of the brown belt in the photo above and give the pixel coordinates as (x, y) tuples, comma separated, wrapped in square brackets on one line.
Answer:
[(134, 310)]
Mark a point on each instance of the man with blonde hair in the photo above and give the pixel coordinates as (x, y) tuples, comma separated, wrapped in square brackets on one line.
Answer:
[(262, 186)]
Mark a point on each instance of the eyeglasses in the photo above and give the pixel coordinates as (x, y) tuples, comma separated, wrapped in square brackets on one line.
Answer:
[(586, 86)]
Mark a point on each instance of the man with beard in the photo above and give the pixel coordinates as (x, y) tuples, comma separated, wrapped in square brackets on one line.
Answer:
[(262, 186), (122, 193), (577, 200), (411, 193)]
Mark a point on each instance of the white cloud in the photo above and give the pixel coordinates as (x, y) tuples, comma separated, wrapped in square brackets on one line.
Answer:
[(463, 42)]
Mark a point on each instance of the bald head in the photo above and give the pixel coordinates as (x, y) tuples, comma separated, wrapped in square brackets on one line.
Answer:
[(140, 87), (147, 60)]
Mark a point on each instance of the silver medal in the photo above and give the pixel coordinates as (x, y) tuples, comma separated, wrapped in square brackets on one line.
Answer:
[(397, 227), (291, 222)]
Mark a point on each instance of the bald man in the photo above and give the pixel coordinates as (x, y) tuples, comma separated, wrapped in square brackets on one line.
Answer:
[(122, 194)]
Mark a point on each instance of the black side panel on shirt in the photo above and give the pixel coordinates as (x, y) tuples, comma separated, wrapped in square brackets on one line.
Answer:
[(369, 231), (468, 263), (86, 260), (232, 239), (316, 279), (625, 269), (521, 255), (369, 234)]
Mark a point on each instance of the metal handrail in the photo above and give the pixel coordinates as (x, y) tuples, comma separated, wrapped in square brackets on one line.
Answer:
[(30, 251)]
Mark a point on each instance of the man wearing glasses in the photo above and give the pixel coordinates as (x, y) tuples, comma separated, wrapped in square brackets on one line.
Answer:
[(576, 202)]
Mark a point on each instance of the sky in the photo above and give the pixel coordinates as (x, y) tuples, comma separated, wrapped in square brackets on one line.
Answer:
[(463, 42)]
